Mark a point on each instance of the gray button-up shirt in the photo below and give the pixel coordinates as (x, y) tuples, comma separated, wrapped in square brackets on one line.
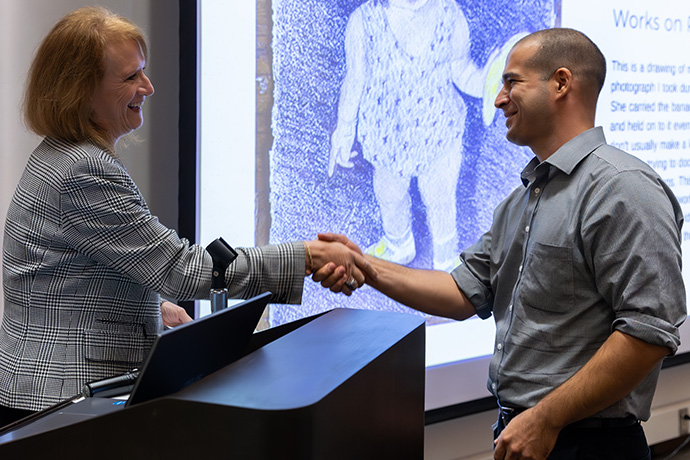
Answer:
[(589, 245)]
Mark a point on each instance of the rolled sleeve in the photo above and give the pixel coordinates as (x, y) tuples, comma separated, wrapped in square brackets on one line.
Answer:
[(480, 296), (650, 329), (639, 268)]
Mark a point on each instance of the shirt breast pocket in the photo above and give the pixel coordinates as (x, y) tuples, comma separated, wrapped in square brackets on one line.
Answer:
[(547, 283)]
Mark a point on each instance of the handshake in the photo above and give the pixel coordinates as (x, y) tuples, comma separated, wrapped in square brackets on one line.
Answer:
[(338, 263), (332, 260)]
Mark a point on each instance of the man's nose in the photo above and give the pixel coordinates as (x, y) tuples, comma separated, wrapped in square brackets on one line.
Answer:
[(501, 98)]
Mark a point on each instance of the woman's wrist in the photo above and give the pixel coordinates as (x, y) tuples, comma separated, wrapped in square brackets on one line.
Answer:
[(308, 259)]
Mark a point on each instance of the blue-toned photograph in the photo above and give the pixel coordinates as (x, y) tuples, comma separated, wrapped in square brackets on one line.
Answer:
[(384, 128)]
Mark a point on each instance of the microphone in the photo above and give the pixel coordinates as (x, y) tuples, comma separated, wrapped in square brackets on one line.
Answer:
[(222, 255), (111, 386)]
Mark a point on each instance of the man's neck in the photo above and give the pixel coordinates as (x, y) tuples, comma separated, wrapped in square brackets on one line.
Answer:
[(544, 150)]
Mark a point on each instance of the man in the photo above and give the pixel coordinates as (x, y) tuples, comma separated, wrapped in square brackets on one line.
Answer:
[(581, 269)]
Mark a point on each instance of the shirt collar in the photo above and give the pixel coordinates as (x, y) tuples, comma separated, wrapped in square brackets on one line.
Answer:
[(567, 157)]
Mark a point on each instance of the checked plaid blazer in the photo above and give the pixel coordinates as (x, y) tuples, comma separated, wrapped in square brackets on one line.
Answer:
[(84, 265)]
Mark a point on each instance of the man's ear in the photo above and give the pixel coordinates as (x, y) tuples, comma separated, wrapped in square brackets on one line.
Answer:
[(563, 79)]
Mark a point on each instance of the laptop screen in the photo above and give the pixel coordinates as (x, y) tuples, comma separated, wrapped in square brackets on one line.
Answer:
[(191, 351)]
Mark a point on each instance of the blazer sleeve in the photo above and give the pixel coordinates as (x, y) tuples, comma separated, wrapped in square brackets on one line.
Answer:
[(104, 216)]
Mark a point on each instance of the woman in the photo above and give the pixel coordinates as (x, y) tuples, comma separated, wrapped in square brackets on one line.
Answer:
[(85, 262)]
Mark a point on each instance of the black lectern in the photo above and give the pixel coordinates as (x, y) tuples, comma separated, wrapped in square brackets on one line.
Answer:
[(348, 384)]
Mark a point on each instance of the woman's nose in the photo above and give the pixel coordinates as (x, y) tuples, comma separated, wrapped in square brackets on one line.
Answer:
[(147, 86)]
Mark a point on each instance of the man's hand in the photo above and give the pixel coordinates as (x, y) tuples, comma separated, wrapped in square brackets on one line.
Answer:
[(527, 436), (338, 264)]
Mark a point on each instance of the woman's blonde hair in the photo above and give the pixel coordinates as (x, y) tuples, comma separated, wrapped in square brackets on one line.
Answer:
[(66, 71)]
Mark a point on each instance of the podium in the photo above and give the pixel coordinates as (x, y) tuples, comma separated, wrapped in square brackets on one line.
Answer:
[(347, 384)]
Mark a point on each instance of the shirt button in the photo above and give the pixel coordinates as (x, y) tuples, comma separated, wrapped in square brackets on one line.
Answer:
[(520, 269), (510, 307), (527, 229), (499, 347), (537, 190), (493, 386)]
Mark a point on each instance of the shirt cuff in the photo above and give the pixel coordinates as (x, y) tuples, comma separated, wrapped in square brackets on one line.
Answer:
[(650, 329), (479, 295)]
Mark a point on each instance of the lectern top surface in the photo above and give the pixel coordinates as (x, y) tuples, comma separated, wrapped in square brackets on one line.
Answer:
[(307, 364)]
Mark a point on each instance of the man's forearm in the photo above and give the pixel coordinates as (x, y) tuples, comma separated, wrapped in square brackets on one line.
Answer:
[(614, 371), (617, 368), (429, 291)]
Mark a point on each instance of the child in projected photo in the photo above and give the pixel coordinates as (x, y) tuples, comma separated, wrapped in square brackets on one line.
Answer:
[(406, 60)]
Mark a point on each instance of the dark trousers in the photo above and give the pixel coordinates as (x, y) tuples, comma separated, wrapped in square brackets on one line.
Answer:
[(584, 441), (9, 415)]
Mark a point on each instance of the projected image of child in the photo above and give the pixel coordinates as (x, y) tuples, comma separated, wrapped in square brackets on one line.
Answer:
[(405, 62), (382, 127)]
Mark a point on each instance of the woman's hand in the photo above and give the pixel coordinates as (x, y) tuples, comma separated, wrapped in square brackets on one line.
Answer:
[(173, 315)]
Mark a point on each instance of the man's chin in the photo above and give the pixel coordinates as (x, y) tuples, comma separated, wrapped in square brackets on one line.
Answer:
[(513, 139)]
